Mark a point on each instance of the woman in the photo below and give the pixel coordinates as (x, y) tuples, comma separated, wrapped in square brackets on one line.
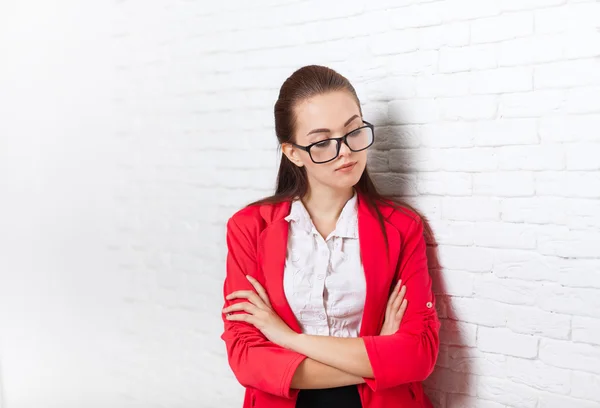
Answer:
[(320, 274)]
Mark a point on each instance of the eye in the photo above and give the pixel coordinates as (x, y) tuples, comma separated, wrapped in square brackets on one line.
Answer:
[(322, 144)]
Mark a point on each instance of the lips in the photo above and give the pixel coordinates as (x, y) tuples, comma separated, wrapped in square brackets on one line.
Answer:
[(344, 166)]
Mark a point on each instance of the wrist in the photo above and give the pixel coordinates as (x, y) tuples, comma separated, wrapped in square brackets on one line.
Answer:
[(293, 341)]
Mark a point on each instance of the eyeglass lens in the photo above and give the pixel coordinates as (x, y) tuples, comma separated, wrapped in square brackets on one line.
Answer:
[(327, 149)]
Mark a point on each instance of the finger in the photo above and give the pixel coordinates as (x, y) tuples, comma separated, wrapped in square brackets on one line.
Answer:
[(262, 293), (241, 317), (239, 294), (241, 307), (246, 294), (394, 293), (388, 309), (401, 310), (398, 300)]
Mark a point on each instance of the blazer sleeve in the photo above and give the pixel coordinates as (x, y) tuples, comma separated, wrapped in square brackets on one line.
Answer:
[(255, 361), (409, 355)]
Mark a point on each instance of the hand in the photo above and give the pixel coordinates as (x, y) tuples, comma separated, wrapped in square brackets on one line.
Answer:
[(395, 309), (259, 313)]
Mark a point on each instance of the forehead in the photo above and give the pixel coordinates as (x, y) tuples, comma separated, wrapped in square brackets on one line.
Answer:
[(330, 110)]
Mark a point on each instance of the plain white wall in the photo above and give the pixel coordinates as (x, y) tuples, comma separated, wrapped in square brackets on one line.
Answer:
[(131, 131)]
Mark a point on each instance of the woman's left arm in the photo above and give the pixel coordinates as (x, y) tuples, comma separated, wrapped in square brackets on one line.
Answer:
[(405, 356)]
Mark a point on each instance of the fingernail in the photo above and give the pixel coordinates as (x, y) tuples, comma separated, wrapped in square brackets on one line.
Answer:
[(248, 277)]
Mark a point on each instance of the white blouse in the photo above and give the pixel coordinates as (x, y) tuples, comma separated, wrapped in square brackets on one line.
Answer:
[(324, 280)]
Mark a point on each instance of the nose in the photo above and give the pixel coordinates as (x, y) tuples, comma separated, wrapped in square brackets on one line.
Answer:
[(344, 150)]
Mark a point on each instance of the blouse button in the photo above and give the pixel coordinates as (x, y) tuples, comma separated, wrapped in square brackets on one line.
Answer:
[(320, 276), (429, 305), (322, 316)]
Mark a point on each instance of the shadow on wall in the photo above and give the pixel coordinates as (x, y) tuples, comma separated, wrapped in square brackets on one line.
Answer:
[(451, 375)]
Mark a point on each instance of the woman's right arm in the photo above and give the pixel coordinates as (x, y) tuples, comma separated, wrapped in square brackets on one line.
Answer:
[(311, 374), (255, 361)]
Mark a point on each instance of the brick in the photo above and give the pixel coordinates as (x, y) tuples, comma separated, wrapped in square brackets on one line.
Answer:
[(445, 380), (506, 184), (502, 80), (504, 341), (434, 85), (414, 111), (579, 301), (581, 273), (583, 156), (470, 209), (532, 50), (538, 157), (535, 210), (478, 311), (582, 214), (538, 375), (570, 129), (408, 160), (394, 42), (378, 161), (530, 320), (586, 330), (503, 27), (450, 34), (565, 74), (511, 5), (453, 282), (467, 10), (575, 184), (465, 401), (466, 258), (559, 241), (396, 184), (454, 233), (400, 137), (585, 386), (457, 333), (387, 89), (504, 132), (479, 107), (443, 183), (583, 100), (513, 291), (457, 59), (507, 392), (559, 401), (567, 18), (474, 361), (504, 235), (416, 15), (523, 264), (474, 160), (447, 134)]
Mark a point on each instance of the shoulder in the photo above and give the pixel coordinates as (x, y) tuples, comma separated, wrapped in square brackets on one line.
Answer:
[(405, 219), (255, 217)]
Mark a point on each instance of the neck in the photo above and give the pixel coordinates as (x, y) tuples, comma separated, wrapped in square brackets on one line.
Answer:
[(326, 204)]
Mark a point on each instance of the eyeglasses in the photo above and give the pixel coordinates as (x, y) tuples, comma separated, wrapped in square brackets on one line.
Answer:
[(326, 150)]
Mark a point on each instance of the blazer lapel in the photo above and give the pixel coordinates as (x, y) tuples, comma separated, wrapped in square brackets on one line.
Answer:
[(379, 268), (272, 254)]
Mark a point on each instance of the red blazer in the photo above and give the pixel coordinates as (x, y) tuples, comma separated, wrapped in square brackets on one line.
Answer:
[(257, 242)]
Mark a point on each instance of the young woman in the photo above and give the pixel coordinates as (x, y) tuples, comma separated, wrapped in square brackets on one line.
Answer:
[(328, 299)]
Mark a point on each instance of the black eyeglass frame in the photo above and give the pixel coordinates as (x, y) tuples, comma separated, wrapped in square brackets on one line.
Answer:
[(339, 141)]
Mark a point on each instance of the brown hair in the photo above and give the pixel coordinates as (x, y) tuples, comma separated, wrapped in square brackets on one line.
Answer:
[(292, 181)]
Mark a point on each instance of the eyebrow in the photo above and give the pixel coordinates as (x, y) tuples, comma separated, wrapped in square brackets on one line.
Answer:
[(325, 130)]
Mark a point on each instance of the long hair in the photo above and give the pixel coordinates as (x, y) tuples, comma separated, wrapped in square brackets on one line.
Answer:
[(292, 181)]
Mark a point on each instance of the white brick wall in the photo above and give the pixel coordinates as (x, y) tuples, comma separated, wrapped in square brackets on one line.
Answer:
[(488, 118)]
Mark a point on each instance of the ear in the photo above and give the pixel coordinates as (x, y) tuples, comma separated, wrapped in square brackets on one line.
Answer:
[(292, 154)]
